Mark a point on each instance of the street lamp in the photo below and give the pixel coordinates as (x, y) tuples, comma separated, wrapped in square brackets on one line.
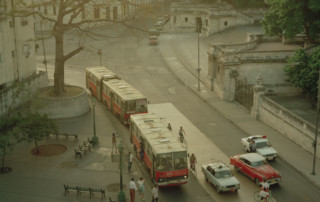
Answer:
[(100, 53), (121, 195), (199, 24), (316, 131), (94, 138)]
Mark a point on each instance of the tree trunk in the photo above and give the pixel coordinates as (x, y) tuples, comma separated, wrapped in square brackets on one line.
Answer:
[(37, 147), (59, 65)]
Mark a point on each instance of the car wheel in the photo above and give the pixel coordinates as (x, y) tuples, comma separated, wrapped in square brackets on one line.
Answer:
[(218, 189), (257, 181), (236, 168)]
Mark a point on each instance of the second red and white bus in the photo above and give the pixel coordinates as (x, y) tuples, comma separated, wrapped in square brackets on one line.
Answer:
[(121, 98), (163, 154)]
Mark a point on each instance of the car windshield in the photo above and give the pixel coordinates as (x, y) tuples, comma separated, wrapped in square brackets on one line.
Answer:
[(258, 163), (262, 144), (223, 174)]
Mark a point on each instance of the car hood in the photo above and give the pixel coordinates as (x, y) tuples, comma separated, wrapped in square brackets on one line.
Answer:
[(267, 171), (228, 181), (266, 151)]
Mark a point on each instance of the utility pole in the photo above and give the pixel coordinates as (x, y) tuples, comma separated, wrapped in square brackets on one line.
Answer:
[(315, 143)]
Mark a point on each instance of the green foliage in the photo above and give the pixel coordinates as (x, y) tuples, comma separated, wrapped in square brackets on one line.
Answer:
[(303, 71), (291, 17), (36, 127), (9, 130)]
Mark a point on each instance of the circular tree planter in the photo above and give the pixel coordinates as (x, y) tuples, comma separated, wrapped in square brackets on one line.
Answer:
[(49, 150), (73, 103)]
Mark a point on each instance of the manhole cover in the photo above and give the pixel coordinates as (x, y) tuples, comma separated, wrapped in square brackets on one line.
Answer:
[(69, 164), (115, 187)]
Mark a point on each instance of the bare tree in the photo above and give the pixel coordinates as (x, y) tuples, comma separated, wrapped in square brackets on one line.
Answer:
[(70, 15)]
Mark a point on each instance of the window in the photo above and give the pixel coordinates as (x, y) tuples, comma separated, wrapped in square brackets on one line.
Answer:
[(180, 160), (23, 21), (96, 12), (54, 10), (108, 13), (226, 23), (45, 10), (115, 13), (164, 162), (186, 19), (26, 50)]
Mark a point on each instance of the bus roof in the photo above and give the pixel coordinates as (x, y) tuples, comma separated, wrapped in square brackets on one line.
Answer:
[(100, 71), (123, 89), (156, 133)]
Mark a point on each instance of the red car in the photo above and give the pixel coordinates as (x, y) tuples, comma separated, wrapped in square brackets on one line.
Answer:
[(256, 167)]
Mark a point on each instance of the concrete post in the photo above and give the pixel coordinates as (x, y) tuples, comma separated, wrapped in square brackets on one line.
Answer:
[(258, 91)]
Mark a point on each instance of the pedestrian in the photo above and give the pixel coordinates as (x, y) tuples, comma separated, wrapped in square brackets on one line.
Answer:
[(155, 196), (130, 161), (141, 188), (181, 133), (114, 143), (169, 127), (133, 189)]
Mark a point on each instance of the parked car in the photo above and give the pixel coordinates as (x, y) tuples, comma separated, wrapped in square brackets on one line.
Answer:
[(153, 40), (256, 167), (262, 146), (153, 32), (220, 176)]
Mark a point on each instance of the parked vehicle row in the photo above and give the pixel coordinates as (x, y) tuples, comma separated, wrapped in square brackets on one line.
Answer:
[(253, 164), (155, 31)]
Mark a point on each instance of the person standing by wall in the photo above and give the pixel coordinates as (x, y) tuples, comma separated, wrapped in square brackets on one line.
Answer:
[(133, 189), (130, 162), (141, 188), (114, 143), (155, 196), (181, 134)]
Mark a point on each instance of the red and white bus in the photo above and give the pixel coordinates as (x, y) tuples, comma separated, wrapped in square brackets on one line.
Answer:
[(95, 76), (163, 154), (120, 97)]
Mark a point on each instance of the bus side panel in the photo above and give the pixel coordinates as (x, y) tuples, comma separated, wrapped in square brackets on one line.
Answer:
[(116, 109), (107, 100)]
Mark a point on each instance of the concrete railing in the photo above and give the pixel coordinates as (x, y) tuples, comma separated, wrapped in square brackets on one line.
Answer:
[(292, 126)]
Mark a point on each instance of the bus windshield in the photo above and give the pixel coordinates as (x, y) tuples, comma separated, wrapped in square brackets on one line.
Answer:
[(131, 105), (164, 162), (180, 160), (142, 105)]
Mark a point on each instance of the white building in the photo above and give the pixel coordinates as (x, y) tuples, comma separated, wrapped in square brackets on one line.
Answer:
[(17, 54)]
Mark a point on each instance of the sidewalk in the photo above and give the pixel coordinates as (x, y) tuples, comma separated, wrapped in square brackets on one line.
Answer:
[(292, 154)]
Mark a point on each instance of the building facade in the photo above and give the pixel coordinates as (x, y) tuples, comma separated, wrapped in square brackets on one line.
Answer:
[(211, 18), (17, 54)]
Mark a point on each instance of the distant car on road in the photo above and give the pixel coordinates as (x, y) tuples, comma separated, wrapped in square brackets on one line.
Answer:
[(154, 32), (262, 146), (153, 40), (255, 167), (220, 176)]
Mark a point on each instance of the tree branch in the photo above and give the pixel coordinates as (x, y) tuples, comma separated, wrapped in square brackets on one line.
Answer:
[(72, 53)]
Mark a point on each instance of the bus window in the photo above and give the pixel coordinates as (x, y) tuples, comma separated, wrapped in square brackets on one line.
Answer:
[(131, 105), (164, 162), (180, 160), (141, 105)]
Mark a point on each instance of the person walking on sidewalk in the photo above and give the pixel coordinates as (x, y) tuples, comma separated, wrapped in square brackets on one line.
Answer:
[(181, 134), (133, 189), (114, 143), (141, 188), (169, 127), (130, 162), (155, 196)]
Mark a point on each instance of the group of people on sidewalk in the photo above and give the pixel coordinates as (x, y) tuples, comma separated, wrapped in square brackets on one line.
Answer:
[(140, 188)]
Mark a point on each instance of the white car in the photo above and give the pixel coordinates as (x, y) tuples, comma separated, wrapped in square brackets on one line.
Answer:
[(220, 176), (262, 146)]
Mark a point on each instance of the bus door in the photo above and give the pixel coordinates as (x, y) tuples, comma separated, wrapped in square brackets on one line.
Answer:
[(122, 111), (111, 101)]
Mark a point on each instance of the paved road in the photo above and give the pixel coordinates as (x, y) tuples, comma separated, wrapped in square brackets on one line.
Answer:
[(143, 67)]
